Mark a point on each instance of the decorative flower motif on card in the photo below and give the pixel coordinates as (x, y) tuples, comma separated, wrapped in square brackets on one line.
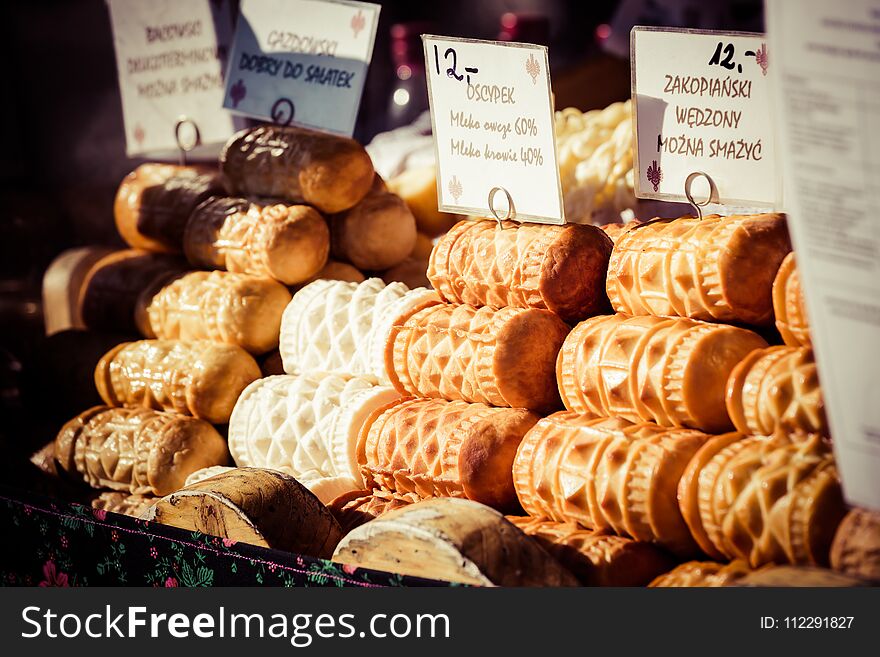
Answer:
[(533, 68), (655, 175), (358, 22), (455, 188), (761, 58), (238, 92), (139, 136)]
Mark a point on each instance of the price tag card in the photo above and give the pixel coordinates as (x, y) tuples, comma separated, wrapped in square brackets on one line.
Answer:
[(702, 104), (826, 70), (301, 62), (494, 132), (170, 57)]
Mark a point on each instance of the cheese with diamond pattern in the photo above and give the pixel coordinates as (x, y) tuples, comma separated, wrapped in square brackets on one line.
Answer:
[(337, 326), (304, 425)]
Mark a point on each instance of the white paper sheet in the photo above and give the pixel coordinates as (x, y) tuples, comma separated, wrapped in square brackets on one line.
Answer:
[(825, 59)]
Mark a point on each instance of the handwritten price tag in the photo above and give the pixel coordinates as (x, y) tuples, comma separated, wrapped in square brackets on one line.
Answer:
[(170, 57), (702, 103), (301, 62), (492, 113)]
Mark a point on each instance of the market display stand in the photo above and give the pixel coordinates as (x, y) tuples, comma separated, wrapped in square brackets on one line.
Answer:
[(57, 543)]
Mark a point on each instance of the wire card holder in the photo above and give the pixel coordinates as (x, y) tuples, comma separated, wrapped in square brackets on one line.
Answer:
[(511, 208), (187, 136), (713, 192)]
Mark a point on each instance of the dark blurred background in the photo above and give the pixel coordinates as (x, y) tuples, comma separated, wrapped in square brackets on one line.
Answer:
[(63, 149)]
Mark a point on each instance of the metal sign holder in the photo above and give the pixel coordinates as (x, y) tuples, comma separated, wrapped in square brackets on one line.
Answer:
[(186, 146), (713, 192), (698, 207), (511, 208)]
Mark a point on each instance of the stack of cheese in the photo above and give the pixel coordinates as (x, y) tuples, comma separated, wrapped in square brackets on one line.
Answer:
[(475, 375), (478, 362), (646, 389), (160, 394), (602, 382), (206, 282), (480, 369), (644, 467), (284, 202), (308, 423), (305, 423)]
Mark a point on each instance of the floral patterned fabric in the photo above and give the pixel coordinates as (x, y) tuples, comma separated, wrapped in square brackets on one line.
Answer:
[(53, 543)]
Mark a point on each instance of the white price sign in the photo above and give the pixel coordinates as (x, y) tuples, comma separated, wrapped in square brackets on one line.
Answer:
[(170, 56), (492, 114), (301, 62), (702, 103)]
